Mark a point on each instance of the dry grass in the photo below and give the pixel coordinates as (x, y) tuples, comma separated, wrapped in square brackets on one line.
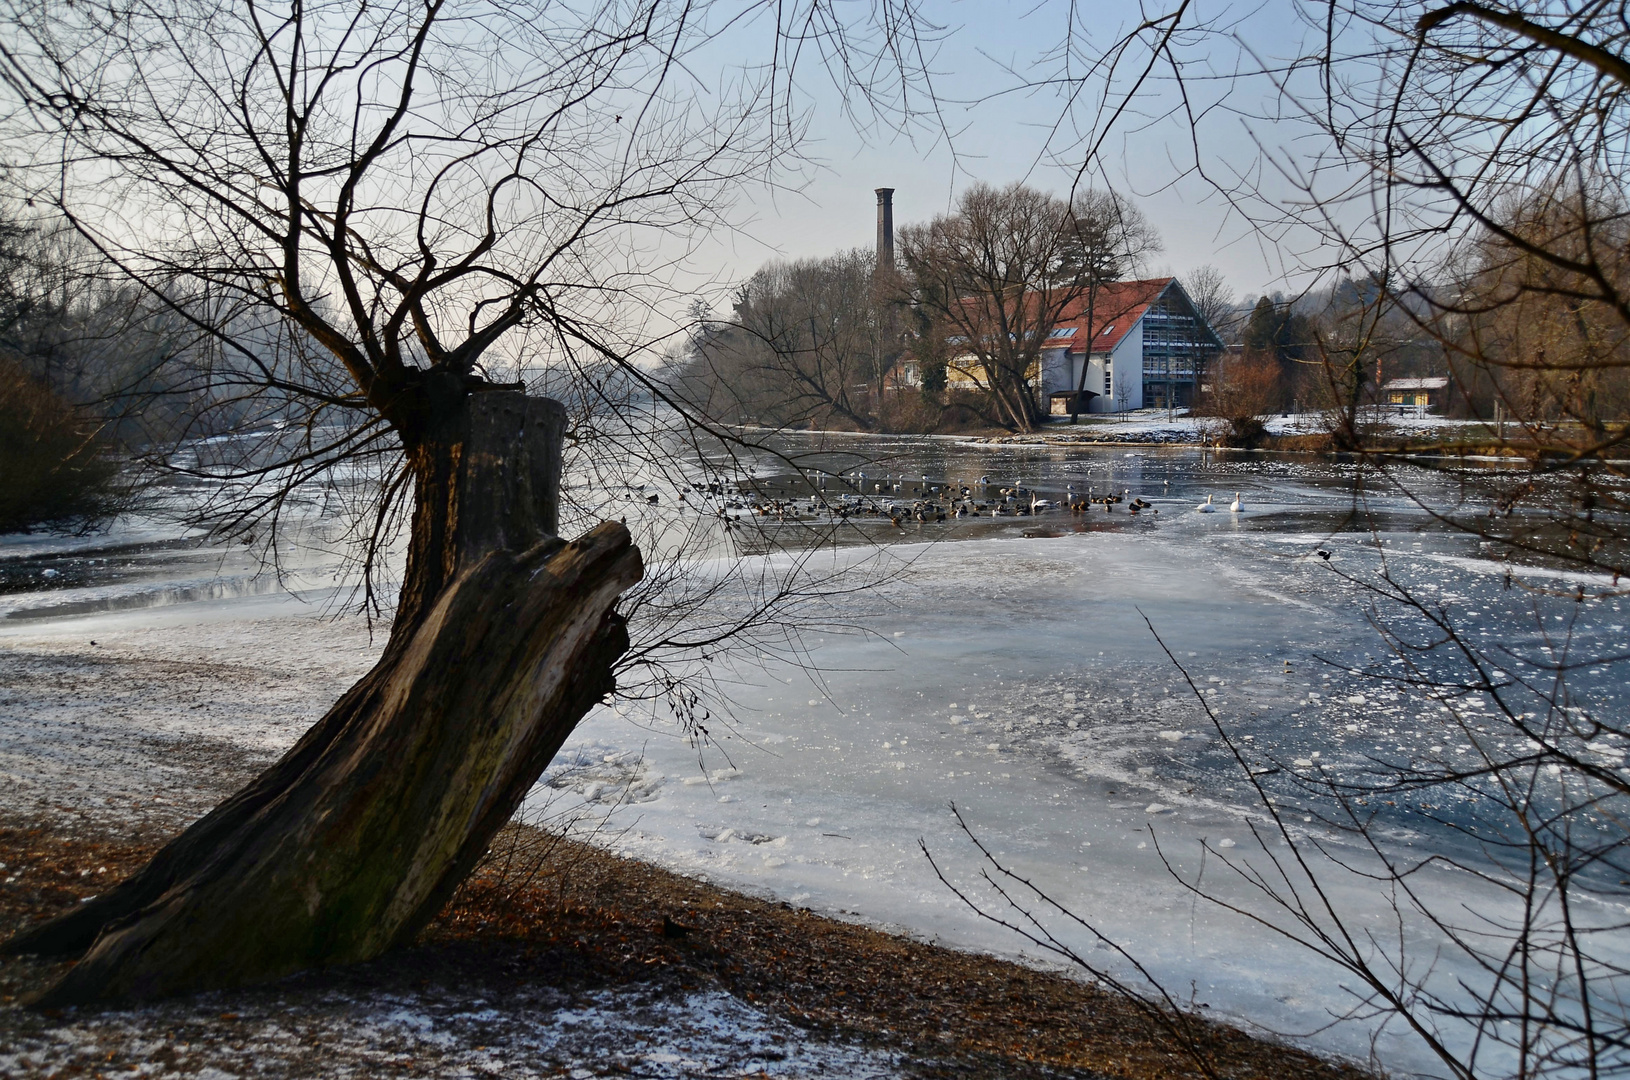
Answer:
[(981, 1013), (569, 914)]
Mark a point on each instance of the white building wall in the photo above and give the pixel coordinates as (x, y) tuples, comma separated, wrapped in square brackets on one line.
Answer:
[(1128, 371), (1061, 373), (1125, 369)]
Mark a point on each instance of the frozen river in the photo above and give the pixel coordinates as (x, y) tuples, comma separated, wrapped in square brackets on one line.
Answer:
[(1018, 678)]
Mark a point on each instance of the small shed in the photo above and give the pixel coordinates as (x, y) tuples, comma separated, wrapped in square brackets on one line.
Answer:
[(1063, 402), (1429, 393)]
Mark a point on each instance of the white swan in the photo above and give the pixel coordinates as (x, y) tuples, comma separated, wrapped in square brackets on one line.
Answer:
[(1238, 504), (1206, 507)]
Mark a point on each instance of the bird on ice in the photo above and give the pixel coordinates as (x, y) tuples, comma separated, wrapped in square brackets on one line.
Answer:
[(1206, 507), (1237, 505)]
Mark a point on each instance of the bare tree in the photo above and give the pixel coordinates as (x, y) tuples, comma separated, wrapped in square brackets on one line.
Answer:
[(804, 337), (993, 280), (380, 221), (1243, 389), (1108, 237), (1213, 299), (1537, 337), (1123, 395)]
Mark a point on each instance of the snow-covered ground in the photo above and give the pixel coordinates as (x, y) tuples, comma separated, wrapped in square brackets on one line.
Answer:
[(1157, 426), (1015, 678), (444, 1032)]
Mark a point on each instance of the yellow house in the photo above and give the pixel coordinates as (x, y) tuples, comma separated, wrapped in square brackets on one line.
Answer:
[(1427, 393)]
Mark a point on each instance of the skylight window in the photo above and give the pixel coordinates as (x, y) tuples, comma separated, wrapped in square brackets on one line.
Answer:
[(1062, 332), (1108, 330)]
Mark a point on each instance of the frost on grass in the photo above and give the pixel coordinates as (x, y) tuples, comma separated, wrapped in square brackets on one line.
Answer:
[(156, 724), (440, 1031)]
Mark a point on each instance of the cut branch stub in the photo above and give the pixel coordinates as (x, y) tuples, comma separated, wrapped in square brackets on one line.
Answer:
[(486, 473)]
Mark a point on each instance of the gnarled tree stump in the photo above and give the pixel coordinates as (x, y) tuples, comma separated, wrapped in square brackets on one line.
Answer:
[(358, 836)]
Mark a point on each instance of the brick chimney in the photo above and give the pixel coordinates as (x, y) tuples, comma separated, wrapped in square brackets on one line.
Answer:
[(885, 228)]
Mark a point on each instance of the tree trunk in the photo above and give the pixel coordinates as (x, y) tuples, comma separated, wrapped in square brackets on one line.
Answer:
[(505, 638), (1086, 355)]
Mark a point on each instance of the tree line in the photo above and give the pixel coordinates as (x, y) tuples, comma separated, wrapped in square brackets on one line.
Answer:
[(1515, 319)]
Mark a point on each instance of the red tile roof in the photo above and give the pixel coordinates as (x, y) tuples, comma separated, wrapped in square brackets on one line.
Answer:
[(1116, 309)]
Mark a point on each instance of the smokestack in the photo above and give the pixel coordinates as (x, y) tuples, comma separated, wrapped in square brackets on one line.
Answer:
[(885, 228)]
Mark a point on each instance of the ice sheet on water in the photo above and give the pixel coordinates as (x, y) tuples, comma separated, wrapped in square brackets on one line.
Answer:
[(1018, 679), (604, 774), (126, 530), (1064, 735)]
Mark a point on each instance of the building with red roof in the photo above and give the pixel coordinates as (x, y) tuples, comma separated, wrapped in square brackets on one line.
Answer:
[(1144, 345), (1141, 344)]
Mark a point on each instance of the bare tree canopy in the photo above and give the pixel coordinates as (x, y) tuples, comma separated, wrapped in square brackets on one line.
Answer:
[(995, 278), (808, 342), (380, 223), (1213, 299)]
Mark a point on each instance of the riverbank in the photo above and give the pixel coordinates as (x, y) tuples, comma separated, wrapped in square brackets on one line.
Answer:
[(1426, 437), (527, 955), (116, 731), (532, 946)]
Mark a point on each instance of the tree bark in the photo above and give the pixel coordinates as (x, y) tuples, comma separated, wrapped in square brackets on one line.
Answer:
[(356, 838), (486, 472)]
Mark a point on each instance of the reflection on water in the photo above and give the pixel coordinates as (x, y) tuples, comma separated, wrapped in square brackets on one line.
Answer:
[(721, 500)]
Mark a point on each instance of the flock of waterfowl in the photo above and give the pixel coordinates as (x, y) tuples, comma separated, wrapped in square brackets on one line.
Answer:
[(898, 500)]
